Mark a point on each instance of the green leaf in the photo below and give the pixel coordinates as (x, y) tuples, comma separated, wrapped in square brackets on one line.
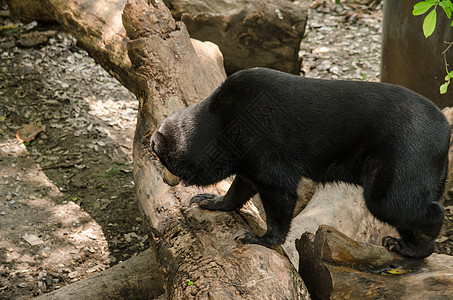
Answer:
[(444, 87), (446, 7), (450, 4), (421, 7), (449, 76), (451, 25), (397, 271), (189, 282), (429, 24)]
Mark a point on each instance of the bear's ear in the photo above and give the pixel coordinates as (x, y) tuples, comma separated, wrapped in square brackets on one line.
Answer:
[(214, 105), (157, 139)]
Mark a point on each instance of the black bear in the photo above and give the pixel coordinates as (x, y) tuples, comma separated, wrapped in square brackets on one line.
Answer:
[(271, 129)]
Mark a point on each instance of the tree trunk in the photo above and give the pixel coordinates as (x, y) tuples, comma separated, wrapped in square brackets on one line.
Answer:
[(448, 112), (411, 60)]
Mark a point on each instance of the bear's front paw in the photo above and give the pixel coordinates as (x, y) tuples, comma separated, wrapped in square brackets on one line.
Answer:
[(392, 244), (209, 202), (246, 237), (200, 197), (406, 249)]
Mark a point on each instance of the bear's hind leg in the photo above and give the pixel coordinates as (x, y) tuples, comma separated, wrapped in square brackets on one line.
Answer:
[(417, 239), (411, 207)]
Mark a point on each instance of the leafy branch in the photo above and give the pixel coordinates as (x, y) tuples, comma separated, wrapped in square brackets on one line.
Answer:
[(429, 24), (444, 87)]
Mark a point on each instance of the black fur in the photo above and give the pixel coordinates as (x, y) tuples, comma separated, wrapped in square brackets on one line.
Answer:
[(271, 128)]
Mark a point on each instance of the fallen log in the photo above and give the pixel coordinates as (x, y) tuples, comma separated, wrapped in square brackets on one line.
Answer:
[(27, 11), (137, 278), (334, 266), (249, 33)]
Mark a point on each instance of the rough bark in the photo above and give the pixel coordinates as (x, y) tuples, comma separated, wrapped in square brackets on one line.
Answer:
[(265, 33), (334, 266), (29, 10), (137, 278)]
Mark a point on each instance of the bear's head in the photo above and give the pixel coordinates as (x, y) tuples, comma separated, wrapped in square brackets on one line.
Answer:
[(189, 145)]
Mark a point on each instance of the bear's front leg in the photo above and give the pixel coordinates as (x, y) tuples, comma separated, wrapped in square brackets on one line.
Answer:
[(239, 193), (279, 208)]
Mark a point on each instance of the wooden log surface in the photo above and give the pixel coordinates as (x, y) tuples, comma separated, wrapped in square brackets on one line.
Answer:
[(334, 266), (168, 71), (137, 278), (27, 11)]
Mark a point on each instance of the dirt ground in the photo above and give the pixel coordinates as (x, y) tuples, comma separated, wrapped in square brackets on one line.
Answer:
[(67, 207)]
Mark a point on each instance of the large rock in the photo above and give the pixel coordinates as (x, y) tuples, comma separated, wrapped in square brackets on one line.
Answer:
[(265, 33)]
